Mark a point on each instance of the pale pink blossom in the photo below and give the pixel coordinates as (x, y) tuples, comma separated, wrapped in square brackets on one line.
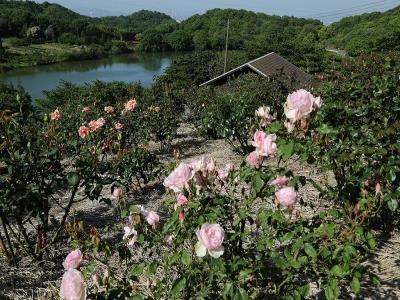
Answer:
[(270, 147), (118, 125), (252, 159), (211, 237), (263, 112), (130, 105), (73, 260), (230, 167), (101, 122), (378, 188), (317, 103), (130, 235), (72, 285), (179, 177), (286, 196), (300, 104), (83, 131), (55, 115), (265, 144), (109, 109), (181, 199), (93, 125), (118, 192), (153, 219), (280, 181), (289, 126), (181, 216), (86, 109), (223, 174)]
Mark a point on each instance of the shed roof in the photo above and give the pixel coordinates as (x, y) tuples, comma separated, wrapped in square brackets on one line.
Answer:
[(267, 65)]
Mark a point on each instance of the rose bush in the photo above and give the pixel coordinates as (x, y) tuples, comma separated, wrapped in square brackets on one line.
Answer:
[(251, 222)]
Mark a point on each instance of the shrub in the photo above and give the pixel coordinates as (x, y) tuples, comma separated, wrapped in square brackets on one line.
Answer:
[(235, 232), (229, 111)]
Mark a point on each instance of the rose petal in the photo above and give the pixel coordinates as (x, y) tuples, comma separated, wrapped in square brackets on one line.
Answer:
[(217, 252), (201, 251)]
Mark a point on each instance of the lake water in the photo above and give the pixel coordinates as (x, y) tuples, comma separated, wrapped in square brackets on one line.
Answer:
[(127, 68)]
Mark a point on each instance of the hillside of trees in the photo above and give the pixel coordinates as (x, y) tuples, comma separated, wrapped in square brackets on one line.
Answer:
[(365, 33), (33, 22)]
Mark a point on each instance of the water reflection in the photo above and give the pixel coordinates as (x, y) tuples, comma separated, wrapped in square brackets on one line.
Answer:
[(127, 68)]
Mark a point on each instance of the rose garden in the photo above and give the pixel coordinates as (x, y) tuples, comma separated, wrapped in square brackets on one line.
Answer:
[(237, 230)]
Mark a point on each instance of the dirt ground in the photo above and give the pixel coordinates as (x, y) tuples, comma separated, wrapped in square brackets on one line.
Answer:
[(42, 280)]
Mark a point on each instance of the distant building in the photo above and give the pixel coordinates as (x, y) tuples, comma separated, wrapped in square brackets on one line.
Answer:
[(266, 66)]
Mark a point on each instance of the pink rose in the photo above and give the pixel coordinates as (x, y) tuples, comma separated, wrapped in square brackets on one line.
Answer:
[(153, 218), (230, 167), (299, 104), (109, 109), (317, 103), (86, 109), (286, 196), (265, 145), (259, 139), (72, 285), (223, 174), (181, 216), (83, 131), (211, 237), (263, 113), (118, 125), (118, 192), (179, 177), (93, 125), (181, 199), (73, 260), (130, 105), (252, 159), (130, 235), (289, 126), (101, 122), (270, 147), (55, 115), (280, 181)]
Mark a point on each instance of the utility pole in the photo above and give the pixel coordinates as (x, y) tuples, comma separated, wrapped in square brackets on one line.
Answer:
[(226, 46)]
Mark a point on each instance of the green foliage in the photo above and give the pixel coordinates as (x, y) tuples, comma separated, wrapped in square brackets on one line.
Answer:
[(358, 131), (364, 33), (14, 100), (229, 111)]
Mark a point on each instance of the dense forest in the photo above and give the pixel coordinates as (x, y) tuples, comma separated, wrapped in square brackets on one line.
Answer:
[(52, 22), (27, 27), (365, 33)]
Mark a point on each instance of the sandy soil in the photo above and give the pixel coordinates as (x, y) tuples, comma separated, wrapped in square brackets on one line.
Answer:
[(41, 281)]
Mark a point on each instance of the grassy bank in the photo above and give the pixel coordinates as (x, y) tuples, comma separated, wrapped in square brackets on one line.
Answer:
[(48, 53)]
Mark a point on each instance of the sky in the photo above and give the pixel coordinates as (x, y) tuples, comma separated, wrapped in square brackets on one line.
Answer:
[(327, 11)]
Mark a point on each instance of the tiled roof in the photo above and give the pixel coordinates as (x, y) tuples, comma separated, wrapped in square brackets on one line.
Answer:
[(267, 65)]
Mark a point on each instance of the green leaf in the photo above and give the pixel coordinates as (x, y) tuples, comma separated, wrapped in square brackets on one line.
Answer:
[(186, 259), (228, 290), (257, 183), (73, 179), (241, 294), (336, 271), (138, 270), (355, 285), (178, 285), (153, 268), (137, 297), (392, 204), (309, 249), (286, 150)]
